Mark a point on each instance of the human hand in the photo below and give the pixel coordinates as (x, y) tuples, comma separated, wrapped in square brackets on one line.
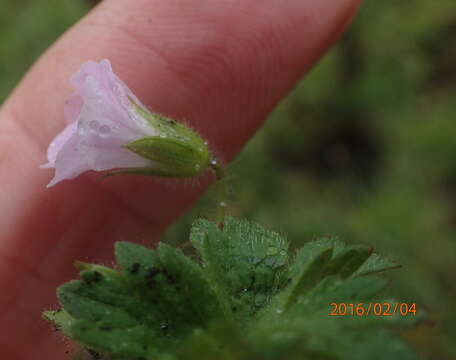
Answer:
[(221, 65)]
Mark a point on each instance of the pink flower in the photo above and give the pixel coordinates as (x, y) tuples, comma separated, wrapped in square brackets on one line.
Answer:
[(102, 117)]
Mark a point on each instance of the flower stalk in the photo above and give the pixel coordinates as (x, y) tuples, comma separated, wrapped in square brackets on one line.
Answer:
[(219, 171)]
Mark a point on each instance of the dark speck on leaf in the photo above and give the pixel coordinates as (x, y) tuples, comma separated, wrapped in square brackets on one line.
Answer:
[(95, 355), (97, 276), (106, 328), (151, 272), (134, 268), (150, 276), (170, 277)]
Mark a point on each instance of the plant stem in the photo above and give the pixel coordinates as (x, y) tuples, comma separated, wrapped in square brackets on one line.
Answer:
[(219, 171)]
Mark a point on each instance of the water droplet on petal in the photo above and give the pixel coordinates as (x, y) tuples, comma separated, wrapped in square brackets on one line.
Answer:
[(93, 124), (104, 129)]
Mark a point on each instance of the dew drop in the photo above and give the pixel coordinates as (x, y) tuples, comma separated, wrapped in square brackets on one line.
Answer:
[(197, 167), (93, 124), (283, 252), (104, 129), (222, 204), (279, 311)]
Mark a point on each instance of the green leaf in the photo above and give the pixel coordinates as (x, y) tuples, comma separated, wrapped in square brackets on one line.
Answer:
[(75, 296), (345, 260), (156, 298), (348, 261), (193, 285), (60, 318), (376, 264), (244, 300), (311, 273), (245, 263)]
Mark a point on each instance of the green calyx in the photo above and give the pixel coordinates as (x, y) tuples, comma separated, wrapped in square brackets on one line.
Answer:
[(176, 150)]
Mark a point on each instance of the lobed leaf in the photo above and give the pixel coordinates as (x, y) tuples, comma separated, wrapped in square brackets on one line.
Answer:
[(245, 300)]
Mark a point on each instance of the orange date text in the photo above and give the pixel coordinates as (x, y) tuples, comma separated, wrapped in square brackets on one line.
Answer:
[(374, 309)]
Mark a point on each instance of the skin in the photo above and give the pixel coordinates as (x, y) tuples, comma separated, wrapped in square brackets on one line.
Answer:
[(221, 66)]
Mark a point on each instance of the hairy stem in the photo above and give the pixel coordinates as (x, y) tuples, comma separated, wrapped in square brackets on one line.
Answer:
[(219, 171)]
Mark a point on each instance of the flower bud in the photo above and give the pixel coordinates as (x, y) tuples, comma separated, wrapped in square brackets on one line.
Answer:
[(109, 129)]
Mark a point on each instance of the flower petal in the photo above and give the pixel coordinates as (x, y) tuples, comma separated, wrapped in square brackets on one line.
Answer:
[(69, 163), (101, 119), (57, 144), (103, 129)]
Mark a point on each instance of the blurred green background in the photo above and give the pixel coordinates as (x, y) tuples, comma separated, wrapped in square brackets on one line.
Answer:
[(363, 149)]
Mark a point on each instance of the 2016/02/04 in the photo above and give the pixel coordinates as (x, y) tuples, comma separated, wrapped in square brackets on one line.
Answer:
[(376, 309)]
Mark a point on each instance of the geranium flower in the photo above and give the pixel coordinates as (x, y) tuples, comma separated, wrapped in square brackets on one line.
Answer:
[(108, 128)]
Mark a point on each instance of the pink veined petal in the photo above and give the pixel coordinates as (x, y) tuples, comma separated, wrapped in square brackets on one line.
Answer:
[(101, 120), (122, 91), (69, 163), (102, 132), (86, 69), (114, 88), (57, 144)]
